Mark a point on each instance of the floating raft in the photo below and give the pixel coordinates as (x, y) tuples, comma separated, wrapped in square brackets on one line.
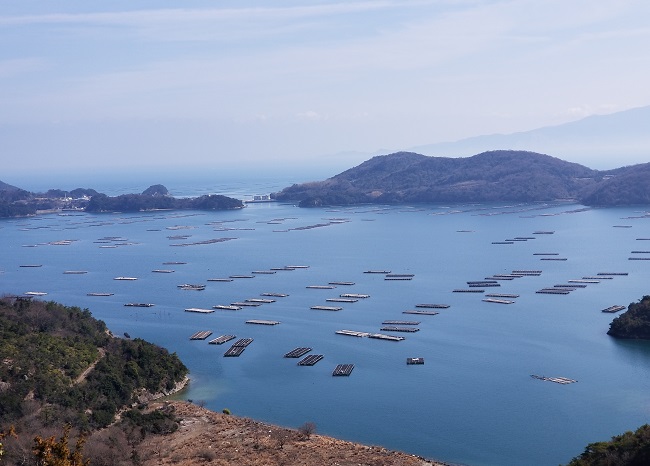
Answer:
[(546, 254), (296, 266), (263, 322), (321, 287), (400, 275), (543, 232), (381, 336), (139, 304), (355, 295), (433, 306), (613, 309), (398, 278), (99, 294), (275, 295), (260, 300), (326, 308), (462, 290), (31, 265), (553, 259), (342, 300), (189, 286), (574, 286), (527, 272), (126, 278), (498, 301), (342, 283), (393, 328), (503, 242), (413, 361), (162, 271), (234, 351), (343, 370), (352, 333), (638, 258), (560, 380), (35, 293), (264, 272), (220, 279), (174, 263), (201, 335), (310, 360), (75, 272), (400, 322), (227, 307), (502, 295), (612, 273), (385, 272), (199, 310), (297, 352), (242, 276), (221, 339), (245, 304), (422, 313), (553, 291)]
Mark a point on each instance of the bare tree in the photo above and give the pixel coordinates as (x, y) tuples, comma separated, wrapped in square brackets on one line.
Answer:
[(307, 429)]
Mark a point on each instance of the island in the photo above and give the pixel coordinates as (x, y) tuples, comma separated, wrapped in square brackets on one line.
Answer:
[(16, 202), (494, 176)]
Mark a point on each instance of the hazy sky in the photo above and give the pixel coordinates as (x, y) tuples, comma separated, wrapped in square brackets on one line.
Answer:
[(273, 84)]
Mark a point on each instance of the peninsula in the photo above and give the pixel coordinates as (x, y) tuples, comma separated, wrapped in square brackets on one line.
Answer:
[(496, 176)]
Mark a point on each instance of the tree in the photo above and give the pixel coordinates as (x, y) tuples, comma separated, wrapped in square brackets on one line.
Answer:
[(307, 429), (49, 452)]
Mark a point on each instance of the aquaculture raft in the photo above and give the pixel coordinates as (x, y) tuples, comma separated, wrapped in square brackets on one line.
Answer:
[(199, 310), (297, 352), (310, 360), (422, 313), (560, 380), (221, 339), (201, 335), (433, 306), (393, 328), (263, 322), (326, 308), (613, 309), (343, 370), (412, 361)]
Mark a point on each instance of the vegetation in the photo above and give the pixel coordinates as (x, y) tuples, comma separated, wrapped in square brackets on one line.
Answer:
[(633, 323), (628, 449), (513, 176), (45, 348)]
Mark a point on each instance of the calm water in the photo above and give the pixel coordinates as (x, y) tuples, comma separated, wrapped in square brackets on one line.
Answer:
[(472, 402)]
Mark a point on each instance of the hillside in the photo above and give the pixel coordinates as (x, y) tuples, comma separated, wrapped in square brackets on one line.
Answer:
[(497, 176), (633, 323)]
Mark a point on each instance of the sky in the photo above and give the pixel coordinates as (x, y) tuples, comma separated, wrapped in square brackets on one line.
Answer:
[(288, 85)]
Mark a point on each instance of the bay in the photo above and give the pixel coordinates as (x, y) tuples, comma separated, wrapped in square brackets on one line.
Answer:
[(472, 401)]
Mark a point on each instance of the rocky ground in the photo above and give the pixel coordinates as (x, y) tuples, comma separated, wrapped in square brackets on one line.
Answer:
[(206, 437)]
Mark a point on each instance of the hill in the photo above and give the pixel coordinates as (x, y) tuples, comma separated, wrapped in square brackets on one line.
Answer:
[(497, 176)]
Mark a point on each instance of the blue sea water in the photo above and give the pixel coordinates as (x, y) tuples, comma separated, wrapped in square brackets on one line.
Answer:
[(472, 402)]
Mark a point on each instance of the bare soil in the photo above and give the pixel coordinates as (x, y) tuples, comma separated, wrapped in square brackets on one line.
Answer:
[(209, 438)]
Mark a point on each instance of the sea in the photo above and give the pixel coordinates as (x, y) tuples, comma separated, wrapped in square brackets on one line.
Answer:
[(472, 401)]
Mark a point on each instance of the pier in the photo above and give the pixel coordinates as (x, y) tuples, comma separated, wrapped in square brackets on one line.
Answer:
[(201, 335), (263, 322), (613, 309), (297, 352), (413, 361), (310, 360), (343, 370), (326, 308), (221, 339)]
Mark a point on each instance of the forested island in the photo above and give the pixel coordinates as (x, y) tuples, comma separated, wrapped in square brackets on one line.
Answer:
[(495, 176), (16, 202)]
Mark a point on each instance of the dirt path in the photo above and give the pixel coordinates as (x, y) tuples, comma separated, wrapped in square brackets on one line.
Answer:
[(85, 373)]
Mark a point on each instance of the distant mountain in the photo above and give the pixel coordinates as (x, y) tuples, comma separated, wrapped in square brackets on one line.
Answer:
[(487, 177), (622, 136)]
